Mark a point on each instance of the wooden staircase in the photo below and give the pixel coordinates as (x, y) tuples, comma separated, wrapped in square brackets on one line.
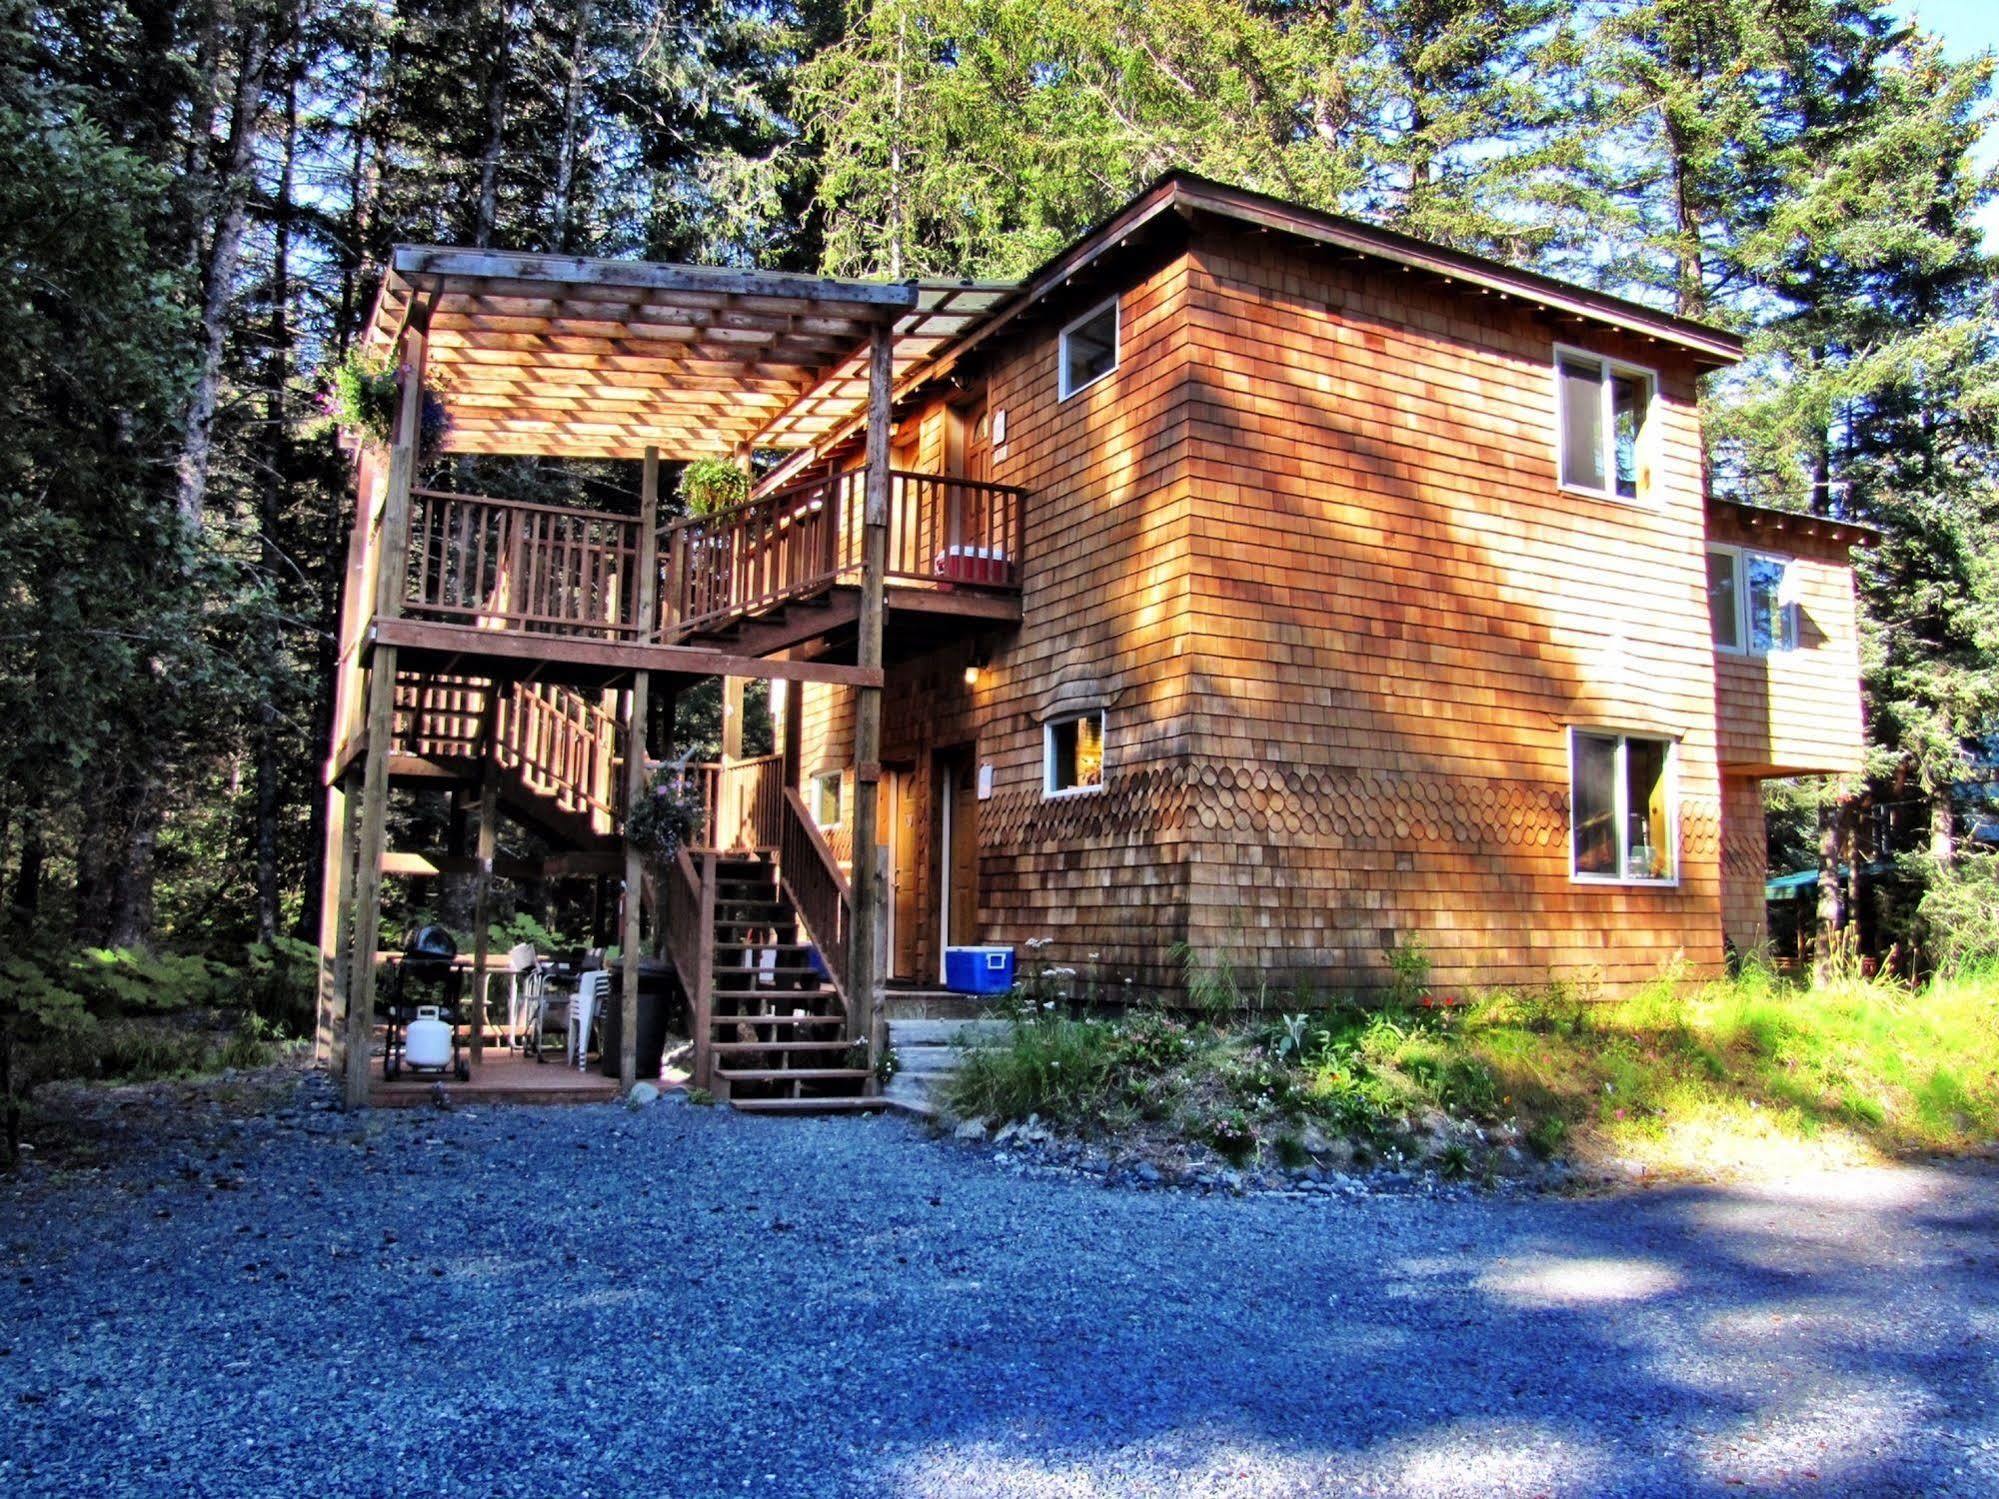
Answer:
[(777, 1026)]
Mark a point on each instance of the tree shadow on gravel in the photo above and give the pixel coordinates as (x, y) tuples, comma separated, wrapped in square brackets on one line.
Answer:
[(682, 1301)]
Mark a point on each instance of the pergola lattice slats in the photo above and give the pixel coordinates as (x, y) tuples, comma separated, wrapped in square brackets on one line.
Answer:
[(570, 357)]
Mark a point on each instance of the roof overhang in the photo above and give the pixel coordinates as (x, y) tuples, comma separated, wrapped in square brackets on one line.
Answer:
[(1186, 198), (1766, 522), (581, 358)]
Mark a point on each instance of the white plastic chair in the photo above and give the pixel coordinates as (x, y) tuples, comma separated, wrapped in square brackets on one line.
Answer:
[(591, 990), (526, 994)]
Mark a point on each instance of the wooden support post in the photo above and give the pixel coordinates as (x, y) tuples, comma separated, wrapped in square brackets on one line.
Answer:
[(390, 581), (635, 780), (863, 942), (482, 888), (381, 690), (729, 819), (787, 707), (336, 923), (700, 985)]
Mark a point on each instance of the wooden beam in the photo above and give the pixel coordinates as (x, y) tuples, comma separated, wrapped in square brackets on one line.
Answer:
[(413, 261), (863, 939), (491, 652), (482, 879), (578, 864), (637, 709), (381, 690), (335, 923), (411, 865)]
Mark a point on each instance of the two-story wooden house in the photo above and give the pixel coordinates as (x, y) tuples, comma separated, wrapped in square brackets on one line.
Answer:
[(1248, 578)]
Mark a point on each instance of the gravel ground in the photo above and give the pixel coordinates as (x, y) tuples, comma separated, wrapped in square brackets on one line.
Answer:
[(679, 1300)]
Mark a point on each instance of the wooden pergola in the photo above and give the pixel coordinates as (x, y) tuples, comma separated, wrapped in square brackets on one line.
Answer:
[(575, 358), (568, 357)]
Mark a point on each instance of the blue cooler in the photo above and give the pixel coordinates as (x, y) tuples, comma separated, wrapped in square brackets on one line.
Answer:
[(978, 970)]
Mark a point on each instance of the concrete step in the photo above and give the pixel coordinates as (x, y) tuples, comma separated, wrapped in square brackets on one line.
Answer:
[(806, 1105), (906, 1033), (927, 1053)]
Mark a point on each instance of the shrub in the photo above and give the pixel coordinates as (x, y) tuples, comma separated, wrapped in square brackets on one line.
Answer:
[(1958, 916)]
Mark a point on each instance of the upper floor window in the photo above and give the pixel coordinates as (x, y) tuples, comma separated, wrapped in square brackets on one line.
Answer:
[(1604, 408), (1089, 348), (826, 799), (1073, 758), (1749, 600), (1623, 820)]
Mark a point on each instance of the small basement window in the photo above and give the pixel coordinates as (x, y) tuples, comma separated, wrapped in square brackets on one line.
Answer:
[(1089, 348), (1603, 410), (1750, 602), (1624, 824), (826, 799), (1074, 757)]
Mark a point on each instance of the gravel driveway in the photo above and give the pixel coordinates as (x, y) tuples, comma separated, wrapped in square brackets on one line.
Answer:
[(590, 1301)]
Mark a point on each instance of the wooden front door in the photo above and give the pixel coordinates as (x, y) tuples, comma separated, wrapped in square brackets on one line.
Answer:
[(955, 828), (896, 811)]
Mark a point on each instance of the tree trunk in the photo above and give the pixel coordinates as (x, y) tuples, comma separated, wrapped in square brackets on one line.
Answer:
[(1829, 909), (1943, 828), (361, 185), (496, 130), (218, 277), (273, 501), (26, 902), (572, 107)]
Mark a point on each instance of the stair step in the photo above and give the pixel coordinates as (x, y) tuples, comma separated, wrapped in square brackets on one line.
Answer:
[(752, 945), (806, 1105), (715, 1020), (767, 970), (733, 1047), (790, 1074)]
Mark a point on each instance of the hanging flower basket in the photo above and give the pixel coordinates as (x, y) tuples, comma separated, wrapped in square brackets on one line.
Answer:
[(711, 484), (665, 817), (363, 393)]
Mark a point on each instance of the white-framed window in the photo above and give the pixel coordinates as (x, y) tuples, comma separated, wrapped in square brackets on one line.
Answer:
[(1750, 600), (1089, 348), (1603, 413), (1623, 808), (1073, 754), (826, 799)]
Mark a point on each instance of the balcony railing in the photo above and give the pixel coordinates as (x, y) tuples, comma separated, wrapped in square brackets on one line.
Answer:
[(512, 565), (530, 568), (795, 541)]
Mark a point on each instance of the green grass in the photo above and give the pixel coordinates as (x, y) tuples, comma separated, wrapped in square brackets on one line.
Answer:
[(1687, 1077)]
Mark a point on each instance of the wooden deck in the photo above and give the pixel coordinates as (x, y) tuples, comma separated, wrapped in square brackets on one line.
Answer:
[(501, 1078)]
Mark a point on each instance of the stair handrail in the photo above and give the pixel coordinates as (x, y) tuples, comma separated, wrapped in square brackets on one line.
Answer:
[(524, 713), (817, 887), (688, 893)]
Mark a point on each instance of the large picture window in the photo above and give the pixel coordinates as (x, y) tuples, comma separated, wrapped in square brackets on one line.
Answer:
[(1749, 601), (1604, 410), (1075, 754), (1089, 348), (1624, 825)]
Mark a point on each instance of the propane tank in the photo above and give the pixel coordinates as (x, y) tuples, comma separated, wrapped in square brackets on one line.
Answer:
[(427, 1042)]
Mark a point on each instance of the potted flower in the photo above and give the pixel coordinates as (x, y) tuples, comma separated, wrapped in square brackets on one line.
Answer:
[(664, 817)]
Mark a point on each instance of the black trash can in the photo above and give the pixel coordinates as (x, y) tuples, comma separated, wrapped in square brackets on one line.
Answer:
[(656, 1007)]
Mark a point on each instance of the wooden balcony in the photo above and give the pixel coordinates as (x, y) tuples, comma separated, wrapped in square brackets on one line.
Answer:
[(954, 548)]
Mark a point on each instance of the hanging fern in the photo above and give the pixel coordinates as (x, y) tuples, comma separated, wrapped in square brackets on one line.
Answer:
[(711, 484), (364, 390)]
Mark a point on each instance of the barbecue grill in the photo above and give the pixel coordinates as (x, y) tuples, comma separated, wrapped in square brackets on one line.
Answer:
[(421, 991)]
